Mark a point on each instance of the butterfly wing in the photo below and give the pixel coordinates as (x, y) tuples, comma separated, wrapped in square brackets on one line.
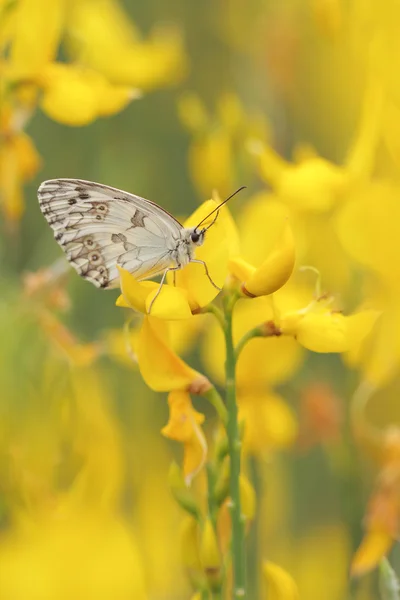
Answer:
[(100, 227)]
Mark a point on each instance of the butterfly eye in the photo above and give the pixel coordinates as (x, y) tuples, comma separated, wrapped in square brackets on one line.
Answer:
[(195, 236)]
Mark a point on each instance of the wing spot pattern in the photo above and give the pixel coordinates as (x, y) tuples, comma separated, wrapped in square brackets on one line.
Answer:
[(138, 219), (76, 208)]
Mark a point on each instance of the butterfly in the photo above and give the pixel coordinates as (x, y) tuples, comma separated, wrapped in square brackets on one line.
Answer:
[(100, 228)]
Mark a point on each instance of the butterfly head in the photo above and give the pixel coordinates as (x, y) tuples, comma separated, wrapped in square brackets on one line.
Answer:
[(196, 235)]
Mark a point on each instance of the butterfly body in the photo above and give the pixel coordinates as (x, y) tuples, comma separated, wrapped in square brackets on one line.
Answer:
[(100, 228)]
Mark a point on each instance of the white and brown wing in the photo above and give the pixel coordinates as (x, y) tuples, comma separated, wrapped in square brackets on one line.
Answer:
[(100, 227)]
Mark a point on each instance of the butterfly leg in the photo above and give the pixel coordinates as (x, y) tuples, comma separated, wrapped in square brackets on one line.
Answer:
[(201, 262), (161, 284)]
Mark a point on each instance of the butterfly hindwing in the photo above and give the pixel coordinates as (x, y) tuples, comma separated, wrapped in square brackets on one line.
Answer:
[(100, 227)]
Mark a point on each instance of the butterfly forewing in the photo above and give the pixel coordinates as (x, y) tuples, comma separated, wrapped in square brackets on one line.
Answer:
[(100, 227)]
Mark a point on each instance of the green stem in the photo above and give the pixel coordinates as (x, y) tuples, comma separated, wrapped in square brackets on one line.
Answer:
[(214, 310), (252, 333), (267, 329), (205, 595), (216, 401), (234, 443)]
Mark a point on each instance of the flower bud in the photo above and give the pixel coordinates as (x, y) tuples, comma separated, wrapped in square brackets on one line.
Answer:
[(210, 555), (274, 271), (181, 493), (280, 584), (247, 498)]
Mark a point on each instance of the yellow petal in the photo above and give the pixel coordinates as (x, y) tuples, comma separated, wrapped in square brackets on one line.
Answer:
[(192, 112), (261, 222), (114, 98), (182, 417), (269, 422), (189, 538), (28, 157), (374, 546), (19, 161), (360, 325), (375, 247), (75, 95), (280, 585), (106, 40), (247, 498), (36, 37), (240, 268), (171, 302), (211, 162), (134, 293), (209, 551), (314, 185), (276, 269), (184, 426), (46, 561), (160, 367), (328, 331)]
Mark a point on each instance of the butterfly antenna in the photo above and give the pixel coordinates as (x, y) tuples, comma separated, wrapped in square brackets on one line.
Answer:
[(219, 206)]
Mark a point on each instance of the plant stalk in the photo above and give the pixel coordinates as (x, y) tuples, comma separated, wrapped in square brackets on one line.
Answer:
[(234, 444)]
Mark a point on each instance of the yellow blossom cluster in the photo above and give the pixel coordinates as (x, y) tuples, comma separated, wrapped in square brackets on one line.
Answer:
[(108, 65)]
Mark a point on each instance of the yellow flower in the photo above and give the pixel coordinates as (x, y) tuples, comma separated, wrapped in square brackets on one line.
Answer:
[(19, 162), (375, 546), (81, 554), (193, 287), (280, 585), (383, 512), (314, 184), (35, 39), (321, 329), (189, 538), (103, 38), (184, 426), (75, 95), (273, 273), (209, 551), (210, 162), (160, 367), (218, 140)]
